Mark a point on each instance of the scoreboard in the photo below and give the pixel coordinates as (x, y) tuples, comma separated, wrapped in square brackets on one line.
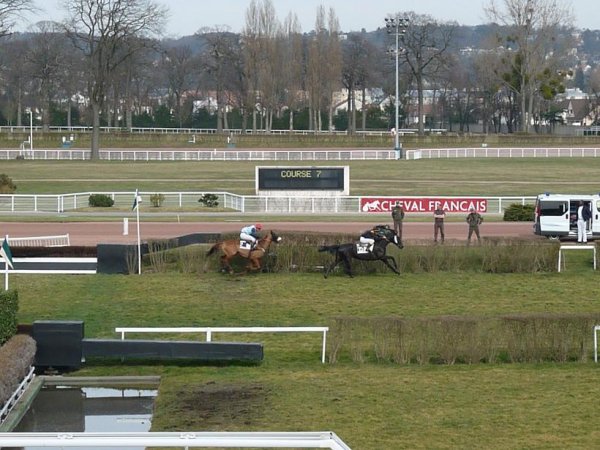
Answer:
[(316, 179)]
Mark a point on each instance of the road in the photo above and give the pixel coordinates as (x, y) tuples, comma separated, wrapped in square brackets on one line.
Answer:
[(92, 233)]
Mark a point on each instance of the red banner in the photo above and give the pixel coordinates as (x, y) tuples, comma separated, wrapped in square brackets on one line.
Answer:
[(423, 204)]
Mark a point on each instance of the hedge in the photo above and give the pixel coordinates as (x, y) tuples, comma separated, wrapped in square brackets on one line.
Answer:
[(9, 306), (16, 357), (519, 338)]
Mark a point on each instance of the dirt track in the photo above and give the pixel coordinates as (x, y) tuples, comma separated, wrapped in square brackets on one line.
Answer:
[(92, 233)]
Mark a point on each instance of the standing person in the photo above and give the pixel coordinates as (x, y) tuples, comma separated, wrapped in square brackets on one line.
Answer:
[(474, 219), (250, 233), (398, 217), (583, 215), (438, 224)]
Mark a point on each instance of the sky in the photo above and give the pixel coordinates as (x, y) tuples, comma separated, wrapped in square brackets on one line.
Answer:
[(188, 16)]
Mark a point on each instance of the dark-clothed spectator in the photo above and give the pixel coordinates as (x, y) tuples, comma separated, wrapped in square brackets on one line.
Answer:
[(438, 224), (474, 219)]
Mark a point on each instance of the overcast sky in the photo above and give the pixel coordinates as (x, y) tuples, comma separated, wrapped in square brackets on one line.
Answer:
[(188, 16)]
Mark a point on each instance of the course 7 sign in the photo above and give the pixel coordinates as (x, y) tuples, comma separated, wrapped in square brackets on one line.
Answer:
[(301, 178)]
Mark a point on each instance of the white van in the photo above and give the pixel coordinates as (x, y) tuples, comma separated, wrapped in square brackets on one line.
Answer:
[(556, 215)]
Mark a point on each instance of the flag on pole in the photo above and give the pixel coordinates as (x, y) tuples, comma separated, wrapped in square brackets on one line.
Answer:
[(6, 254), (136, 201)]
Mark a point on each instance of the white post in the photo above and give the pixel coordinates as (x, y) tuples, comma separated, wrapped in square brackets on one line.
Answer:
[(139, 242), (31, 131), (125, 226), (6, 268)]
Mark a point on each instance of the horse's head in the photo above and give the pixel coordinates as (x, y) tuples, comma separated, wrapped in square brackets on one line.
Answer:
[(390, 235), (275, 237)]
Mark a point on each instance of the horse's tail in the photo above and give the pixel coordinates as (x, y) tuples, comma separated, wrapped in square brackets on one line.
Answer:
[(329, 248), (214, 248)]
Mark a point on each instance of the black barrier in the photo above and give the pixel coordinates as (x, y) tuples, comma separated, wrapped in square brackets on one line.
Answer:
[(119, 258), (58, 343)]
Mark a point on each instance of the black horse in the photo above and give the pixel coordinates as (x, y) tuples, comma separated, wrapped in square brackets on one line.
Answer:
[(345, 252)]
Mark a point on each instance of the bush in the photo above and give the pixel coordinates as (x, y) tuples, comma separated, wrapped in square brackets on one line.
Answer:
[(100, 201), (209, 200), (157, 200), (519, 213), (16, 357), (9, 305), (6, 184), (522, 338)]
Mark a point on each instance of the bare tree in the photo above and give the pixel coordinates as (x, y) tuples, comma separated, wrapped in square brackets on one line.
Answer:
[(292, 65), (180, 69), (43, 63), (594, 87), (425, 44), (10, 12), (531, 27), (108, 33), (324, 66)]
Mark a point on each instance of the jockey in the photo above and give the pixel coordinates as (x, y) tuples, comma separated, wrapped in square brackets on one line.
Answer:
[(250, 233), (370, 236)]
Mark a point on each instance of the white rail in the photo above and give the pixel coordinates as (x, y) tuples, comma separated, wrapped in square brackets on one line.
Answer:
[(10, 403), (504, 152), (320, 439), (40, 241), (210, 330), (596, 329)]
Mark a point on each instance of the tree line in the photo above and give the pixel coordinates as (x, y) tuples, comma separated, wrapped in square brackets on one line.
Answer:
[(107, 64)]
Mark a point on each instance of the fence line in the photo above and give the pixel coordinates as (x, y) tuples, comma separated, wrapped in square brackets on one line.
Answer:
[(40, 241), (504, 152), (188, 203), (188, 439), (350, 154), (181, 154), (210, 330)]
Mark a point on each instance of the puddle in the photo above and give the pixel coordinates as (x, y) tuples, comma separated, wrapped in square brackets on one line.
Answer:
[(88, 409)]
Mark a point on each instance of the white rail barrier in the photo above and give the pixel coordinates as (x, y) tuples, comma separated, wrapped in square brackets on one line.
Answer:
[(24, 203), (596, 329), (10, 403), (319, 439), (210, 330), (40, 241), (504, 152)]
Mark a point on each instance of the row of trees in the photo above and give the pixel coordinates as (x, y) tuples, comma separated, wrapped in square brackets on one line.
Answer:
[(105, 64)]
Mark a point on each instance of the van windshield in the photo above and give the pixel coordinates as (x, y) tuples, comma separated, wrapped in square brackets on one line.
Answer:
[(552, 208)]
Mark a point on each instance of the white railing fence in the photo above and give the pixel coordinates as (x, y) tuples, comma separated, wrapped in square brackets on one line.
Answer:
[(203, 154), (187, 202), (40, 241), (190, 439), (504, 152), (211, 330)]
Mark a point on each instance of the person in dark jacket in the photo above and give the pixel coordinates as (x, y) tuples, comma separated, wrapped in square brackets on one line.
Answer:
[(398, 217), (583, 215), (474, 219)]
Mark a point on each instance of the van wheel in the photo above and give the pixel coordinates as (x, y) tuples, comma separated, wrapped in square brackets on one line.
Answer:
[(553, 237)]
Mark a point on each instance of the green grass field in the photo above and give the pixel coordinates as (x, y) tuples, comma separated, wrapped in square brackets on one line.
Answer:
[(502, 177), (370, 405)]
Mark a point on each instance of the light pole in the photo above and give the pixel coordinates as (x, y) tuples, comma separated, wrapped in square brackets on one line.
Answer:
[(397, 26), (31, 131)]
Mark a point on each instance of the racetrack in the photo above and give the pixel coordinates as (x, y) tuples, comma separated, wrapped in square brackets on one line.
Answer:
[(92, 233)]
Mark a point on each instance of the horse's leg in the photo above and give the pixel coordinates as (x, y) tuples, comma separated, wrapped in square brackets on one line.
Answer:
[(225, 263), (347, 265), (331, 266), (394, 267)]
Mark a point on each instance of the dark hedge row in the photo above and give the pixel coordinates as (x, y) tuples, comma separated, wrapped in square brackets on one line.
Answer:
[(54, 252), (9, 306), (521, 338)]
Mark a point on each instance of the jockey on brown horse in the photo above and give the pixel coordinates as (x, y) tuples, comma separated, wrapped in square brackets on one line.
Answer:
[(244, 249)]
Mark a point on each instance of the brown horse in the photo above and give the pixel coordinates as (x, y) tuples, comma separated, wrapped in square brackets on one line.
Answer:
[(231, 248)]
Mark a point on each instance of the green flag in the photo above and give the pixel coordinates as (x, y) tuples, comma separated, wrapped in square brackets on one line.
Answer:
[(6, 254)]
